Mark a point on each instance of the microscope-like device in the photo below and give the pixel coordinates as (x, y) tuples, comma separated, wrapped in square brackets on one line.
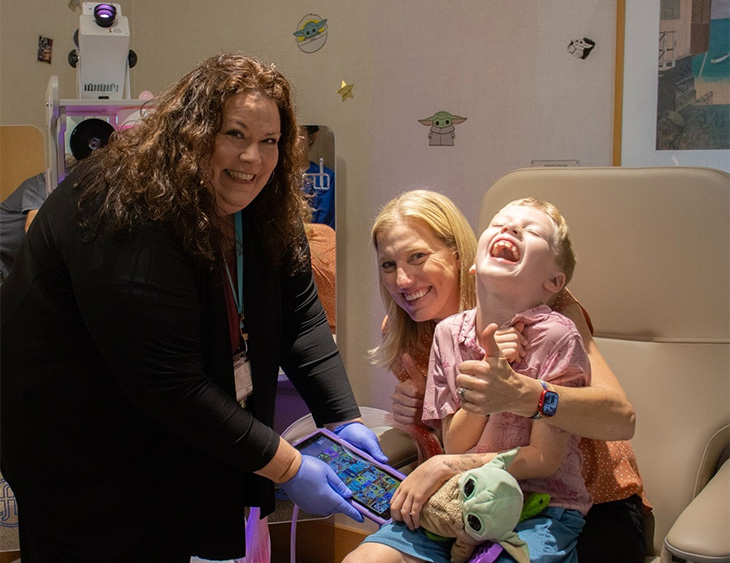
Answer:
[(102, 59)]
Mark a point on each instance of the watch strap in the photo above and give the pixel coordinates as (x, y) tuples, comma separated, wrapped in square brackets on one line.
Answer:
[(546, 388)]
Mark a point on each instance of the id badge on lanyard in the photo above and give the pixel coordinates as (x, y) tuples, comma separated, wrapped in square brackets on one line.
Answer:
[(241, 363), (242, 375)]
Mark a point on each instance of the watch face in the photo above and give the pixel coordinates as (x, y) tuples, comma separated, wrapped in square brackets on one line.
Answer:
[(550, 403)]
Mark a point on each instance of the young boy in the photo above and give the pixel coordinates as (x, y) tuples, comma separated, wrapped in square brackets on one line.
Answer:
[(523, 259)]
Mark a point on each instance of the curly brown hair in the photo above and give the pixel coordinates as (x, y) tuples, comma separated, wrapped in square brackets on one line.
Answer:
[(155, 171)]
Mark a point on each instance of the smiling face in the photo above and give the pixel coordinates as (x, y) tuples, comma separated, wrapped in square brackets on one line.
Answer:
[(246, 150), (518, 248), (419, 271)]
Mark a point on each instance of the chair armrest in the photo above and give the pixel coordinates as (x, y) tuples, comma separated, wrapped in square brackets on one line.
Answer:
[(700, 534)]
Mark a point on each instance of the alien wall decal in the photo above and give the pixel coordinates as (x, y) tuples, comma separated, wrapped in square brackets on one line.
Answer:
[(311, 33), (442, 132), (581, 48)]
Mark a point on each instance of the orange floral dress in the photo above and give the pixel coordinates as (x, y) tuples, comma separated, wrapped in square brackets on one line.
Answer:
[(609, 468)]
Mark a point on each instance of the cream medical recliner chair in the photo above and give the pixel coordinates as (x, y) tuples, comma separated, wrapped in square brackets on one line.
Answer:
[(653, 270)]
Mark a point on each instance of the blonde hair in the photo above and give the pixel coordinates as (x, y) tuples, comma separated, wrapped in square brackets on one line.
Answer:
[(448, 224), (562, 245)]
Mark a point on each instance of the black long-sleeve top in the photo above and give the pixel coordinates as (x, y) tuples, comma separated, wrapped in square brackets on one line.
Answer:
[(121, 434)]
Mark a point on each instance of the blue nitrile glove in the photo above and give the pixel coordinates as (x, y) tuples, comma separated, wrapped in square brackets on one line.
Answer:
[(318, 490), (362, 437)]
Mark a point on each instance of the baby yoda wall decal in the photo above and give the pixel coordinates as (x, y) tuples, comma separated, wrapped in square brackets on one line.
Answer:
[(442, 129), (581, 48), (311, 33)]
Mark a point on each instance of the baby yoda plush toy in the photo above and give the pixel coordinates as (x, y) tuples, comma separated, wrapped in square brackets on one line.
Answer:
[(478, 505)]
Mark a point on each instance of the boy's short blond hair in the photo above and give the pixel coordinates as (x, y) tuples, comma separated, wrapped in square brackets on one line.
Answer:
[(561, 243)]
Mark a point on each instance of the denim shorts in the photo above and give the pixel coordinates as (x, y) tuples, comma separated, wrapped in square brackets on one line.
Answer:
[(412, 542), (551, 536)]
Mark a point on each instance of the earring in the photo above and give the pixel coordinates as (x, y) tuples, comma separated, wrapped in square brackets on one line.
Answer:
[(271, 178)]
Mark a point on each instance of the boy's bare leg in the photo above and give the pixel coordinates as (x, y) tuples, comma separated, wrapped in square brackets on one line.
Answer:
[(378, 553)]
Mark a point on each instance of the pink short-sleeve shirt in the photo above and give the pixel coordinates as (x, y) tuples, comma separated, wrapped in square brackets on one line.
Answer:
[(554, 354)]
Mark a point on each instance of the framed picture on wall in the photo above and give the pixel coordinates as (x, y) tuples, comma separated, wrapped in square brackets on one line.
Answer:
[(674, 105)]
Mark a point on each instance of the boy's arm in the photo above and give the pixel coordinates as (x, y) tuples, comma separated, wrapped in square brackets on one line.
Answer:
[(544, 454), (462, 430), (425, 480)]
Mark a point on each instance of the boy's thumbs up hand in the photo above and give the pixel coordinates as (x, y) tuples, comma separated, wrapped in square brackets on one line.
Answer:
[(490, 384)]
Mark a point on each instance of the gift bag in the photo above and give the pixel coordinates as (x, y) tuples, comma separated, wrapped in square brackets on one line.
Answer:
[(258, 543)]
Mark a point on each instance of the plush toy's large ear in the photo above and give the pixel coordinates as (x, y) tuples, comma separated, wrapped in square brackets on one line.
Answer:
[(504, 459), (517, 548)]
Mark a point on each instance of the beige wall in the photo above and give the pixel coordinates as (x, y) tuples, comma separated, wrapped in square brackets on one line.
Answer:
[(501, 64)]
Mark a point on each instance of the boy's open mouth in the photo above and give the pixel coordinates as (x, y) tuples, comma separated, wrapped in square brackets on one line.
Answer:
[(505, 250)]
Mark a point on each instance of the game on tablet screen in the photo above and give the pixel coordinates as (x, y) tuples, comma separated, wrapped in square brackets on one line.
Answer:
[(371, 486)]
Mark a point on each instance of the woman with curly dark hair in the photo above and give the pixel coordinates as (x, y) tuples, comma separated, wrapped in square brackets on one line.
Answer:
[(160, 288)]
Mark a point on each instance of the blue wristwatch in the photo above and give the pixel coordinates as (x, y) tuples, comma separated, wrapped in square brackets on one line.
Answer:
[(548, 404)]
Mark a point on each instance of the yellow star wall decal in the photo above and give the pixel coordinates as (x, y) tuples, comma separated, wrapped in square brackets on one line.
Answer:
[(346, 90)]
